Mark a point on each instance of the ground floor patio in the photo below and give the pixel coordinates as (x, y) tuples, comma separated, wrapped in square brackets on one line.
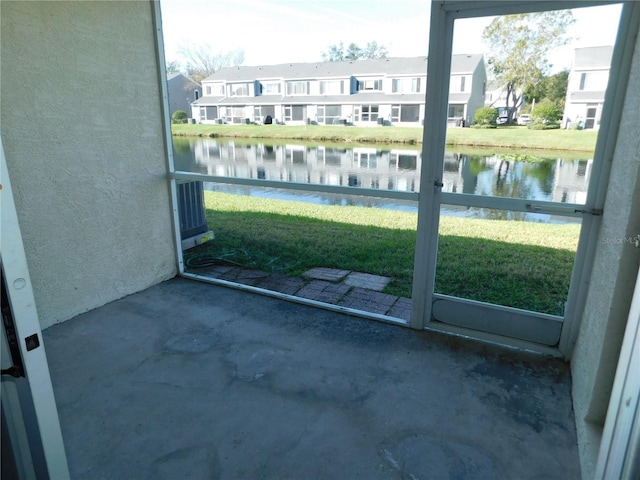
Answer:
[(192, 380)]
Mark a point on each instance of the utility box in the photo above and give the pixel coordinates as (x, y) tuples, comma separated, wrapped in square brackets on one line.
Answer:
[(193, 221)]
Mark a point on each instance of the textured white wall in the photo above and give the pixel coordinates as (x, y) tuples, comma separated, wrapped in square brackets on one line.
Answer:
[(612, 282), (81, 124)]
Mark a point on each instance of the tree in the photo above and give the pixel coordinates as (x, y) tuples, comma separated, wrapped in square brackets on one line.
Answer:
[(338, 53), (201, 61), (520, 44), (173, 67), (373, 50), (557, 88), (353, 52), (335, 53), (553, 88)]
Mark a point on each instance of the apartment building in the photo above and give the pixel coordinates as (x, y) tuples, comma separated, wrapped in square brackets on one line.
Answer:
[(588, 80), (388, 91), (181, 91)]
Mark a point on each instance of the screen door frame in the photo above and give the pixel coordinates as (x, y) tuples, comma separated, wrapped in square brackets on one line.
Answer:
[(514, 327)]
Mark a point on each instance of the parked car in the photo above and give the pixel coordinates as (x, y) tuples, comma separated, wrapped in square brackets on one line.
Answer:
[(524, 119), (502, 119)]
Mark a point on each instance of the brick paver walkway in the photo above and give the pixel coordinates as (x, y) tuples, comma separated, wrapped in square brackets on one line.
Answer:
[(366, 280), (357, 290)]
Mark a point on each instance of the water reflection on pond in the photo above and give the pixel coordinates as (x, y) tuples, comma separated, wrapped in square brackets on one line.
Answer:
[(505, 174)]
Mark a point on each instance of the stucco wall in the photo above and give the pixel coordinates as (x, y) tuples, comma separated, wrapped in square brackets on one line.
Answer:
[(612, 282), (478, 92), (81, 125)]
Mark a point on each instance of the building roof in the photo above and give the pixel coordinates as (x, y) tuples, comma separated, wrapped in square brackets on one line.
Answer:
[(593, 58), (380, 66), (459, 97), (177, 76)]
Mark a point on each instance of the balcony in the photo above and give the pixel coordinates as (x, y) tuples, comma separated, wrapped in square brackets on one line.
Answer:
[(190, 380)]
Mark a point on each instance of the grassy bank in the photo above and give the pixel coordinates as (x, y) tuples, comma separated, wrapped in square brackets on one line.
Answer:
[(503, 137), (520, 264)]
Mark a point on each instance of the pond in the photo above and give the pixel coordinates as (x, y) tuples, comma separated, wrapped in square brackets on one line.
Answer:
[(503, 174)]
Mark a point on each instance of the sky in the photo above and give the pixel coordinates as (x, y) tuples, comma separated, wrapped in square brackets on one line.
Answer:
[(282, 31)]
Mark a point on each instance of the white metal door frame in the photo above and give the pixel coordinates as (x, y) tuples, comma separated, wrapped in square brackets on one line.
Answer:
[(443, 15), (44, 429)]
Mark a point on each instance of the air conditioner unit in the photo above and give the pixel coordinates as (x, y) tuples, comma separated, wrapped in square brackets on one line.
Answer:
[(193, 220)]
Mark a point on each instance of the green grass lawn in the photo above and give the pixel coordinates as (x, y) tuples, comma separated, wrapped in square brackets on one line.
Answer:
[(502, 137), (519, 264)]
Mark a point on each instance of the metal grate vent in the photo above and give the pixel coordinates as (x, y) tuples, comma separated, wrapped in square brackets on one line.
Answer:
[(193, 220)]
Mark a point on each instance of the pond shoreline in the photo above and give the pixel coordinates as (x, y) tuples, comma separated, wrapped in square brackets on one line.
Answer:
[(582, 141)]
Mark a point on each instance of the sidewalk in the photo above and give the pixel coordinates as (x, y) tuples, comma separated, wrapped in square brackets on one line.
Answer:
[(360, 291)]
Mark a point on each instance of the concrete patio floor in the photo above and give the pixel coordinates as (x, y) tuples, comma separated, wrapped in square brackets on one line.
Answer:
[(188, 380)]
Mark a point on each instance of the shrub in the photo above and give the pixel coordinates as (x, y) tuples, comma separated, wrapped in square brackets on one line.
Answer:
[(179, 116), (546, 112), (485, 117), (543, 126)]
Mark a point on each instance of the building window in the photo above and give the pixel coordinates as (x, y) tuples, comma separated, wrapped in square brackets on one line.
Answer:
[(456, 111), (366, 113), (211, 112), (369, 85), (294, 113), (297, 88), (196, 94), (238, 90), (331, 87), (594, 81), (271, 88), (405, 85), (409, 113), (457, 84), (329, 114), (235, 114), (405, 113), (261, 112), (217, 90)]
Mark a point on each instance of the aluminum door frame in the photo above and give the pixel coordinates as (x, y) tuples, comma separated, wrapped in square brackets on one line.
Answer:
[(443, 16), (41, 422)]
